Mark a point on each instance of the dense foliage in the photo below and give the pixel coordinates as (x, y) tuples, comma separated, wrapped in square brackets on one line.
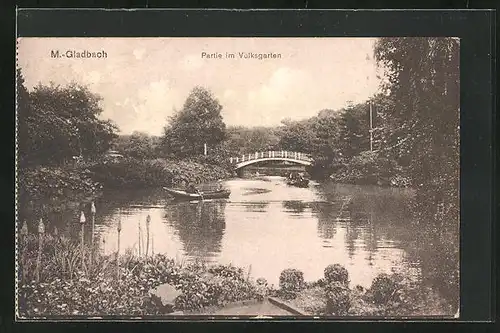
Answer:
[(339, 142), (338, 298), (67, 287), (47, 188), (389, 295), (422, 134), (415, 143), (131, 172), (138, 145), (63, 147), (243, 140), (415, 132), (383, 288), (291, 282), (203, 286), (336, 273), (368, 167), (57, 123), (423, 83)]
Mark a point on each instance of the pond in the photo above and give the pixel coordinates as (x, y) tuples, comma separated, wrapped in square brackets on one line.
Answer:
[(267, 226)]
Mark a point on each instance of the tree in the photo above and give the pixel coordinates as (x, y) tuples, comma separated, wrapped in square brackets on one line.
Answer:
[(297, 135), (56, 123), (423, 83), (326, 148), (23, 111), (199, 122), (317, 136), (243, 140), (354, 130), (138, 145)]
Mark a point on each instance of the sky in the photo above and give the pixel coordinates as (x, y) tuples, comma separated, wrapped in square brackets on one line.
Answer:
[(144, 80)]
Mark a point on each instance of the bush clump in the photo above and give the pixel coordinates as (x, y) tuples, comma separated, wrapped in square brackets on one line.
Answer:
[(218, 286), (338, 298), (228, 271), (336, 273), (131, 172), (262, 288), (291, 282), (383, 288), (60, 184)]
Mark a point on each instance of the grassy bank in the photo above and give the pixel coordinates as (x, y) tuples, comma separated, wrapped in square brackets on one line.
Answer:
[(45, 189)]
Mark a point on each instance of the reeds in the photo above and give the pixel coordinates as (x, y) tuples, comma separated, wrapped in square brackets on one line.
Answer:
[(58, 256), (148, 221)]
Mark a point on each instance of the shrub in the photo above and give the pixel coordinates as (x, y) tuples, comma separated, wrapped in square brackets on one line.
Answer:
[(60, 185), (291, 282), (131, 172), (338, 298), (383, 288), (336, 273), (228, 271), (262, 289), (261, 282), (318, 283), (220, 284)]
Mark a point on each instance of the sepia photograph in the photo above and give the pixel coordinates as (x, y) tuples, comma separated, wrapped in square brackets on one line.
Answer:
[(237, 177)]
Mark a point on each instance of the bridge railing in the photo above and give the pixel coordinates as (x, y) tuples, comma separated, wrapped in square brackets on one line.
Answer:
[(271, 154)]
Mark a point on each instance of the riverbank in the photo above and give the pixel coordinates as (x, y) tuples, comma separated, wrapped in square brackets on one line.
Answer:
[(368, 168), (137, 173), (71, 280), (388, 296), (47, 189)]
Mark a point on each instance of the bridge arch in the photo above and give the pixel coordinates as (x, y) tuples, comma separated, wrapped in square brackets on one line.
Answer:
[(288, 156)]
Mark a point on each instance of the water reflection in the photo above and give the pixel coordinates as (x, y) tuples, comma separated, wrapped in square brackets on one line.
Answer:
[(326, 225), (351, 237), (256, 207), (200, 227), (295, 206)]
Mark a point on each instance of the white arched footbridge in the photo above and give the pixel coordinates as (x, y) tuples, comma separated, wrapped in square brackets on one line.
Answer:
[(288, 156)]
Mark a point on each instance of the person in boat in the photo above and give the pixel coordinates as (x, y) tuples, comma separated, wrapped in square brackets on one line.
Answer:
[(192, 189), (218, 186)]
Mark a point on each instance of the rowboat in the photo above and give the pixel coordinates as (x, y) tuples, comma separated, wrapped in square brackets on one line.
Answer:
[(179, 194), (298, 182)]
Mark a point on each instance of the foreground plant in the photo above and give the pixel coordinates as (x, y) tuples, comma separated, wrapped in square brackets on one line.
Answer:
[(389, 295), (82, 291), (291, 282)]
